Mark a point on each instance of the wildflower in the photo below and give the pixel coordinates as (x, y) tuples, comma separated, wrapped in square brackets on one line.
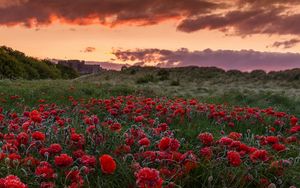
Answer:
[(148, 178), (235, 135), (225, 141), (138, 119), (272, 139), (278, 147), (35, 116), (144, 142), (38, 136), (168, 143), (293, 121), (23, 138), (55, 148), (206, 138), (257, 155), (88, 160), (116, 127), (12, 181), (63, 160), (234, 158), (164, 143), (206, 152), (107, 164), (45, 170)]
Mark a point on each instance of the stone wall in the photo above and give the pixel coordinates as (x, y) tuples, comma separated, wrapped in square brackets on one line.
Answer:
[(81, 67)]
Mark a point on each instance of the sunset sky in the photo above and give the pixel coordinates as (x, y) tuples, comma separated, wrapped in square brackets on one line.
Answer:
[(231, 34)]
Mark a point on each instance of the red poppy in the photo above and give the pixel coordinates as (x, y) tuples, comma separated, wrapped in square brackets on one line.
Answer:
[(35, 116), (257, 155), (63, 160), (44, 170), (107, 164), (206, 152), (272, 139), (278, 147), (206, 138), (12, 181), (234, 158), (148, 178), (37, 135), (144, 142), (88, 160), (55, 148)]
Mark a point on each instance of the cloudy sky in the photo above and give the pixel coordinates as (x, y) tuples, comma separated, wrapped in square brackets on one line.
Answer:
[(231, 34)]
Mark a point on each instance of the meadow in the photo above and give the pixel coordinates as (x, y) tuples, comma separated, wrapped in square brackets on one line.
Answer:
[(150, 129)]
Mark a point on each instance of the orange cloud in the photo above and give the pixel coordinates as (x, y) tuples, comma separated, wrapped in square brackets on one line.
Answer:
[(89, 49), (240, 17)]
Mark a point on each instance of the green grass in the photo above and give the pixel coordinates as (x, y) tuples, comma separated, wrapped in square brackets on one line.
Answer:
[(58, 91)]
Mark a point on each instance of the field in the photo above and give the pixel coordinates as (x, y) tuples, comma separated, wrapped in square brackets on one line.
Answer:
[(141, 129)]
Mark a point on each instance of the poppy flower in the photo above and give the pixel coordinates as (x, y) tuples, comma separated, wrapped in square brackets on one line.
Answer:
[(206, 138), (44, 170), (148, 178), (144, 142), (259, 155), (167, 143), (234, 158), (37, 135), (272, 139), (107, 164), (206, 152), (35, 116), (63, 160), (88, 160), (12, 181), (278, 147), (55, 148)]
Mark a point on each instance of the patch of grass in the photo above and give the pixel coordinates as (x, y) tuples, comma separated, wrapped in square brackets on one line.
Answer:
[(175, 82), (146, 79)]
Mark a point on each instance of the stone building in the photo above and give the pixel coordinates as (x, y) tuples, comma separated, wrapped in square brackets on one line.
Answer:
[(80, 66)]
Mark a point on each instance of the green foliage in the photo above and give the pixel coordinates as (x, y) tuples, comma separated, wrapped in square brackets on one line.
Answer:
[(175, 83), (67, 72), (146, 79), (163, 74), (16, 65)]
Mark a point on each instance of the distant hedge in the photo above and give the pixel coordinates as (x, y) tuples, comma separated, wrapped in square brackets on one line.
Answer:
[(204, 73), (16, 65)]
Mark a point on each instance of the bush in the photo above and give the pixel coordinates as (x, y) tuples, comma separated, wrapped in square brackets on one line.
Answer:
[(15, 64), (163, 74), (175, 83), (145, 79)]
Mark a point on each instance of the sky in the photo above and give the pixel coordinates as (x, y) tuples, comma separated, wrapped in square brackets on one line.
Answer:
[(230, 34)]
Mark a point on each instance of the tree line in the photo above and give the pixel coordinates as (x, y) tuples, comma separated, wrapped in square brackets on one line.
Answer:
[(16, 65)]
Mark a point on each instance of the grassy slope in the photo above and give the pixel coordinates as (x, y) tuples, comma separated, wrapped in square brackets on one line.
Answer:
[(284, 96)]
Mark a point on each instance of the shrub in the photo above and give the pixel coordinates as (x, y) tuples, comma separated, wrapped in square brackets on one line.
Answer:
[(163, 74), (15, 64), (145, 79), (175, 82)]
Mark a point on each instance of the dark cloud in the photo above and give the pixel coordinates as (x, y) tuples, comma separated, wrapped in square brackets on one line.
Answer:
[(227, 59), (89, 49), (286, 44), (107, 12), (241, 17), (246, 22)]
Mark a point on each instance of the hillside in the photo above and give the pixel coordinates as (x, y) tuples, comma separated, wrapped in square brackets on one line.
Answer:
[(15, 64), (201, 81)]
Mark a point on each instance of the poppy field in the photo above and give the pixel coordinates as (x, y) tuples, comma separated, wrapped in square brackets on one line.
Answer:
[(135, 141)]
